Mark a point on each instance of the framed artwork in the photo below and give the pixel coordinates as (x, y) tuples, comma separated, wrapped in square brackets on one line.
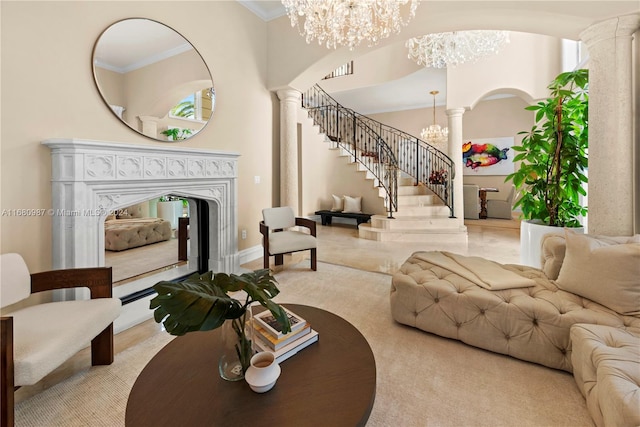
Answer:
[(488, 156)]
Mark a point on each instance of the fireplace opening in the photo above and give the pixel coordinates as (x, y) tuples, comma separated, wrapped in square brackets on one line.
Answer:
[(153, 239)]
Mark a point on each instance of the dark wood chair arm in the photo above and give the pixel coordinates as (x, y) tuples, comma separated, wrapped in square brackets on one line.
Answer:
[(6, 372), (306, 222), (97, 279), (264, 230)]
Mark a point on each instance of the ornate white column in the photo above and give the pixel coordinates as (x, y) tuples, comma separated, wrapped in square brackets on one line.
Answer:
[(455, 153), (611, 154), (289, 103)]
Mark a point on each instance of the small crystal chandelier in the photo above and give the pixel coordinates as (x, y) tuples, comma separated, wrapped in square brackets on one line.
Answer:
[(348, 22), (442, 50), (435, 135)]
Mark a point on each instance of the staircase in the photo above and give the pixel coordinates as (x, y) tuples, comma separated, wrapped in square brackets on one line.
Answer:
[(413, 178)]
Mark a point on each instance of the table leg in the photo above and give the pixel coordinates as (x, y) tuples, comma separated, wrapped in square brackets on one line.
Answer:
[(483, 204)]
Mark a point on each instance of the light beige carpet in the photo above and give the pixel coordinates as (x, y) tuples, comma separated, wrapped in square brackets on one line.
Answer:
[(422, 379)]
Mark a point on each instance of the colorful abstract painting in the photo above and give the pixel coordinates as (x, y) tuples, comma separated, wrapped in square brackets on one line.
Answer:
[(488, 156)]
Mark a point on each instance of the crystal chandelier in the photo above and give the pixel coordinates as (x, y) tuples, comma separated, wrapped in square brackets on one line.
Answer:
[(434, 134), (442, 50), (349, 22)]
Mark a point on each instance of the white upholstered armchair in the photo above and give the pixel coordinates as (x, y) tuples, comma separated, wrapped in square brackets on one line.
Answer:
[(501, 208), (471, 195), (279, 238), (39, 338)]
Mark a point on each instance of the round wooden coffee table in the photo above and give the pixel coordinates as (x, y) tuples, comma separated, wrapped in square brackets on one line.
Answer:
[(330, 383)]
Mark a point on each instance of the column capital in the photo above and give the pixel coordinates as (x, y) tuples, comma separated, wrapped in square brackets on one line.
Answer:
[(289, 95), (453, 112), (620, 26)]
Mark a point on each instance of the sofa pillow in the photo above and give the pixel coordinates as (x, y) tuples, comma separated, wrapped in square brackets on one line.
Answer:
[(338, 203), (602, 270), (553, 248), (352, 204)]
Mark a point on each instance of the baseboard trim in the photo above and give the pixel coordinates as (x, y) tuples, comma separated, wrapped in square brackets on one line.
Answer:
[(250, 254)]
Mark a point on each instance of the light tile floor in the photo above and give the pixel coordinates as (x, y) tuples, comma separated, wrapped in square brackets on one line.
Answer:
[(339, 244)]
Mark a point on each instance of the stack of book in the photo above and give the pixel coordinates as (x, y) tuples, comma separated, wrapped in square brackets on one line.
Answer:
[(268, 335)]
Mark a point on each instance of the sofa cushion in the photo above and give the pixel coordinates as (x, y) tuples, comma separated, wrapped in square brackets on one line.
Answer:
[(553, 247), (602, 270), (352, 204), (286, 241), (607, 371), (338, 203), (46, 335)]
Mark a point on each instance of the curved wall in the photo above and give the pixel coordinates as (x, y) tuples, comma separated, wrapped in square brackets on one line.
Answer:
[(307, 64)]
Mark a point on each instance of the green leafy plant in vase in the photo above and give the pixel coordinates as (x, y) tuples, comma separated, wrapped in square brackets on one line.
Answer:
[(177, 134), (206, 302), (553, 154)]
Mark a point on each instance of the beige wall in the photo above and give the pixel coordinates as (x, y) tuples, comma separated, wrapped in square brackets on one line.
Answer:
[(524, 67), (48, 91), (375, 67), (636, 114), (323, 172)]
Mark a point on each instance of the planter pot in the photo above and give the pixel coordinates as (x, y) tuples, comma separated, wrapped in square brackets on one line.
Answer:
[(170, 211), (531, 234)]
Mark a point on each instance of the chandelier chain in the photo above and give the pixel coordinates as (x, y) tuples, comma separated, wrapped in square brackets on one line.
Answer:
[(434, 134)]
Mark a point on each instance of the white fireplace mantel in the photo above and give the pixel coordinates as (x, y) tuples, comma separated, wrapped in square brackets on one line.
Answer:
[(90, 179)]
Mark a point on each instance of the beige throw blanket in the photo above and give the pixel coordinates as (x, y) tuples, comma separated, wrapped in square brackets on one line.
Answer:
[(483, 272)]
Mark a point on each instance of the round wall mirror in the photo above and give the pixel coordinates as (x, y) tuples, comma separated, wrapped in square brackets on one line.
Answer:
[(153, 79)]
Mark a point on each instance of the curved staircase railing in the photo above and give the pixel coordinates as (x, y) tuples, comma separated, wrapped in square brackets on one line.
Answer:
[(382, 149)]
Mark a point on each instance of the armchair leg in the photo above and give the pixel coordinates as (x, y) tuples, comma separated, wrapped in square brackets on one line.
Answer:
[(266, 260), (6, 373), (314, 265), (102, 347), (279, 259)]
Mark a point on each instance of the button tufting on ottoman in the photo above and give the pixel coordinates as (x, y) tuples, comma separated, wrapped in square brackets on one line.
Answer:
[(606, 367), (529, 323)]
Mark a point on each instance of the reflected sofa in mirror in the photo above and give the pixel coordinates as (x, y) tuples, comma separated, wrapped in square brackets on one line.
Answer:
[(153, 79), (145, 238)]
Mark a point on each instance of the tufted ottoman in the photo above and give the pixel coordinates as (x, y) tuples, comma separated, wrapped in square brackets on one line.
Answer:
[(606, 366), (529, 323), (123, 234)]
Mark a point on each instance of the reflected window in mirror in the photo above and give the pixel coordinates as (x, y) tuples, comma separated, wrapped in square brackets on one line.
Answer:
[(143, 69)]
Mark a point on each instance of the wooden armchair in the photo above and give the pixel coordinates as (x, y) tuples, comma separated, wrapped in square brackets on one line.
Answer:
[(39, 338), (278, 239)]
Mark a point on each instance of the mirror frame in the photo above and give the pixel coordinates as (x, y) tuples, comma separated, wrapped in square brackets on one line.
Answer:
[(150, 126)]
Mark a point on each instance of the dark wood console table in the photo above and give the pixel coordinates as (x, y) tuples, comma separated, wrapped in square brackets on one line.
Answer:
[(330, 383), (483, 200)]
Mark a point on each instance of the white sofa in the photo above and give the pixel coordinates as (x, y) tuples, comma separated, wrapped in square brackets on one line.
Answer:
[(585, 280)]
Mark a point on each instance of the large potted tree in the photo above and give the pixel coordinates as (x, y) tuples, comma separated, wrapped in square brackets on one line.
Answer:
[(553, 161)]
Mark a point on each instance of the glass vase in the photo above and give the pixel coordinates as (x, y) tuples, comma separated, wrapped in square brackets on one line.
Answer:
[(236, 348)]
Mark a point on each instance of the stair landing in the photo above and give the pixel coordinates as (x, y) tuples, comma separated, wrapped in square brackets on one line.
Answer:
[(421, 217)]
